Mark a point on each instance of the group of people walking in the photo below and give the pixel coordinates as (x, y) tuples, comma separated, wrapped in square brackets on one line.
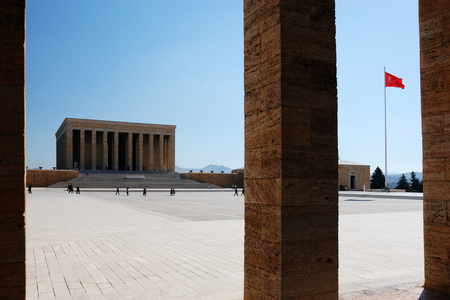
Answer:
[(144, 191), (70, 189), (236, 191)]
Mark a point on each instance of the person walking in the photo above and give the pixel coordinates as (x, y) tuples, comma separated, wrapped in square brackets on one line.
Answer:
[(78, 190), (128, 191), (117, 192), (29, 188), (144, 192), (235, 191)]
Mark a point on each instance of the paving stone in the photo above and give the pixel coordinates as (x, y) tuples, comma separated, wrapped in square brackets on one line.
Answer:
[(105, 248)]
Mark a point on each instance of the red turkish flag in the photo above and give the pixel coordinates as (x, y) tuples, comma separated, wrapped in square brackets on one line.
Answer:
[(391, 80)]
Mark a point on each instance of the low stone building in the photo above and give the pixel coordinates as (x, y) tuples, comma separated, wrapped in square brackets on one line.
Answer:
[(353, 176), (107, 145)]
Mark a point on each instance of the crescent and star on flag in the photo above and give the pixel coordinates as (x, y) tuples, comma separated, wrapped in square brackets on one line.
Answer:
[(393, 81)]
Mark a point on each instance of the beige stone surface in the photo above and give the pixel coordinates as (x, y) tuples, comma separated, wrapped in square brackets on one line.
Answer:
[(435, 88), (360, 172), (291, 162)]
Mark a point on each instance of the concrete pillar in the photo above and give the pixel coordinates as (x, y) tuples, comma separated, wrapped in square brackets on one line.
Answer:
[(162, 167), (105, 149), (435, 88), (82, 149), (291, 157), (12, 149), (94, 150), (140, 164), (116, 151), (130, 151), (152, 153)]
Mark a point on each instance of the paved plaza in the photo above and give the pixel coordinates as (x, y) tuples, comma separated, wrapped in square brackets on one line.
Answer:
[(98, 245)]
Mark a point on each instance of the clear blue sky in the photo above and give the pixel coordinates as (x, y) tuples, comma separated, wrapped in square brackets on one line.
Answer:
[(180, 62)]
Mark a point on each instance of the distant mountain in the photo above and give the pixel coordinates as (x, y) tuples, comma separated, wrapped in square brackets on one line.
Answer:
[(392, 179), (208, 168)]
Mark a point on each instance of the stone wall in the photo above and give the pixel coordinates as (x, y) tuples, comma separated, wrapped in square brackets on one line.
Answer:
[(225, 180), (42, 178), (434, 18), (361, 173), (12, 149)]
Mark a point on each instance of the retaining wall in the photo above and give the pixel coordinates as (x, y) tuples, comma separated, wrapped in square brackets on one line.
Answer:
[(42, 178)]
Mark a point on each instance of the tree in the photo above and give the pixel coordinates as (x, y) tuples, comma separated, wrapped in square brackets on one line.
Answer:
[(415, 183), (377, 180), (403, 184)]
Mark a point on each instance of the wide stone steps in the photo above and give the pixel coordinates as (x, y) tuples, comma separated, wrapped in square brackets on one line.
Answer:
[(114, 179)]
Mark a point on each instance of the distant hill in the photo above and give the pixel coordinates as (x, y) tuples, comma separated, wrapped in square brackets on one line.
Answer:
[(392, 179), (208, 168)]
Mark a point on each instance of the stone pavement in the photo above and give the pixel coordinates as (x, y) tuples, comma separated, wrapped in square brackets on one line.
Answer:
[(190, 246)]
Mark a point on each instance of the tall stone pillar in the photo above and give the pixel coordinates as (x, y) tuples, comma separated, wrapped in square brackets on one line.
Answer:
[(12, 149), (82, 149), (130, 151), (435, 88), (162, 167), (140, 158), (69, 148), (94, 150), (152, 153), (116, 151), (105, 149), (291, 157)]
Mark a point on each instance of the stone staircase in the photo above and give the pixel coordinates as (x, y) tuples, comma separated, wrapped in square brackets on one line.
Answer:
[(114, 179)]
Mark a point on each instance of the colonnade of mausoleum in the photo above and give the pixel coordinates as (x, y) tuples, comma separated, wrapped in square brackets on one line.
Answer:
[(107, 145)]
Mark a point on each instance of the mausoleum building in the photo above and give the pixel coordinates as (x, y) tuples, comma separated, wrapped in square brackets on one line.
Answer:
[(108, 145)]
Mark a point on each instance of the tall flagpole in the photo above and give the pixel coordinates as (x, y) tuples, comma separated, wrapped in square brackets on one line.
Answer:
[(385, 132)]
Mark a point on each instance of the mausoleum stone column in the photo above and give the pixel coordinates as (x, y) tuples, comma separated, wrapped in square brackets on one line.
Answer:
[(172, 152), (291, 158), (161, 153), (434, 18), (82, 148), (105, 148), (69, 148), (116, 151), (140, 160), (12, 150), (129, 152), (94, 150), (152, 153)]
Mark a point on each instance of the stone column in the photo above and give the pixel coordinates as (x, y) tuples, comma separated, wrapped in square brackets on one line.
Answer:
[(69, 148), (162, 167), (12, 150), (116, 151), (172, 152), (94, 150), (130, 151), (291, 157), (140, 164), (152, 152), (82, 150), (105, 148), (435, 89)]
